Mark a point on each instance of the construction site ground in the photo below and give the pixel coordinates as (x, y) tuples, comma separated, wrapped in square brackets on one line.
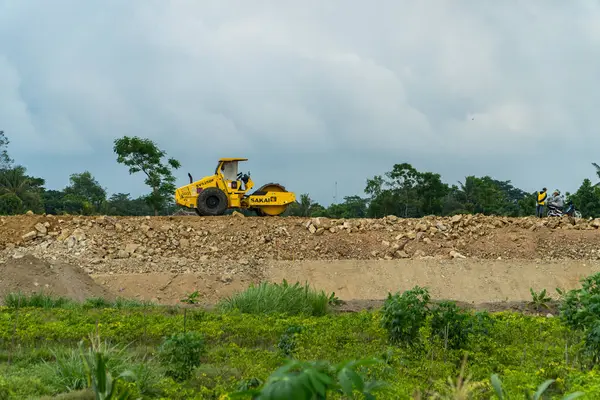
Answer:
[(479, 261)]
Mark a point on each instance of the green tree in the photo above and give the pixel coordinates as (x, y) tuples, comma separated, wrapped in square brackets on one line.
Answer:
[(5, 161), (10, 204), (53, 201), (352, 207), (15, 183), (85, 187), (482, 195), (431, 192), (305, 205), (122, 204), (143, 155), (587, 199), (381, 201), (597, 172), (406, 192), (403, 180)]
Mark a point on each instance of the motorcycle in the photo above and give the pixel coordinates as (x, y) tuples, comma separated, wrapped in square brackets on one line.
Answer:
[(554, 211)]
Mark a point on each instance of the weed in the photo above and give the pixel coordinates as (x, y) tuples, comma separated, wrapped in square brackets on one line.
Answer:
[(461, 389), (102, 382), (267, 298), (191, 298), (540, 299), (334, 300)]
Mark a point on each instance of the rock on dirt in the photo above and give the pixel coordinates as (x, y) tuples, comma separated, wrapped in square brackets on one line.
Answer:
[(28, 274), (184, 244)]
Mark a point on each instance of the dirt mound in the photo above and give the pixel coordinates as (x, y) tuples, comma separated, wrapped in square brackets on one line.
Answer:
[(241, 245), (29, 274)]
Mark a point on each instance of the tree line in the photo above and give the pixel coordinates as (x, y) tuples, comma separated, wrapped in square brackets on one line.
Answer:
[(403, 191), (406, 192)]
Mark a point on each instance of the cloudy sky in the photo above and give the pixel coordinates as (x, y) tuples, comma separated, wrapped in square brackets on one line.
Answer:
[(312, 92)]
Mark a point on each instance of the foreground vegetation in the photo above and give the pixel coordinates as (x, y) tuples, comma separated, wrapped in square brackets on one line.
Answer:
[(248, 348)]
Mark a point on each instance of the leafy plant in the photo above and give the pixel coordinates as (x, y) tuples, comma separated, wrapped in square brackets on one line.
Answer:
[(191, 298), (300, 380), (102, 382), (540, 299), (180, 353), (268, 298), (287, 342), (500, 393), (404, 315), (592, 342), (451, 324), (334, 300), (580, 308)]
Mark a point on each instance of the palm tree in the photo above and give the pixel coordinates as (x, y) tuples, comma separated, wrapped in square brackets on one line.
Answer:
[(597, 172), (306, 205), (14, 181)]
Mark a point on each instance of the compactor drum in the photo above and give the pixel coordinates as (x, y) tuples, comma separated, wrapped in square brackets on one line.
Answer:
[(227, 188)]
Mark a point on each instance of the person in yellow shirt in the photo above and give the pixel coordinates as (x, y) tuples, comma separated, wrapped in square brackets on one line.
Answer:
[(541, 202)]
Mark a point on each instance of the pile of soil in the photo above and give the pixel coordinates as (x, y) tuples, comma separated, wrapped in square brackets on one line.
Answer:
[(29, 274)]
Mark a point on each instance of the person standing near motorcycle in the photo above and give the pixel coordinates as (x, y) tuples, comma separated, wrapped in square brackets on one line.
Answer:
[(556, 201), (541, 201)]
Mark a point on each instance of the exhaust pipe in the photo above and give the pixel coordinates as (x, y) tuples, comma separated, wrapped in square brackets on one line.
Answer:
[(191, 180)]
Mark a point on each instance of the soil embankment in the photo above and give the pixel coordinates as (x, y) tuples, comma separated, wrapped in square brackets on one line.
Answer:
[(473, 259)]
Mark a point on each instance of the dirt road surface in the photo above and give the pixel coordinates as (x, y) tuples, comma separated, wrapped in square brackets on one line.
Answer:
[(466, 281)]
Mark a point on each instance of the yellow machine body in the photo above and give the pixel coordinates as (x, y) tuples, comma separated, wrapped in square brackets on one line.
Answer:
[(212, 195)]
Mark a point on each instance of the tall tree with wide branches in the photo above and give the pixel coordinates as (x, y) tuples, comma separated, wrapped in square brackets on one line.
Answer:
[(143, 155)]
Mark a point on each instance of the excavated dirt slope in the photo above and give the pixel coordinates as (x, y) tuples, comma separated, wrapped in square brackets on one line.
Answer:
[(466, 258)]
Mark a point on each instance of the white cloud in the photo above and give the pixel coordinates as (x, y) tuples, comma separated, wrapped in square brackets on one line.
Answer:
[(391, 80)]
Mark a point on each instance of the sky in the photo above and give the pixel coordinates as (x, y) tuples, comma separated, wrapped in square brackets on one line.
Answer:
[(318, 95)]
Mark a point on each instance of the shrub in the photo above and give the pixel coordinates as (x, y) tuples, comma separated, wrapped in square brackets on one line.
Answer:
[(287, 342), (404, 315), (580, 308), (282, 298), (451, 324), (180, 354)]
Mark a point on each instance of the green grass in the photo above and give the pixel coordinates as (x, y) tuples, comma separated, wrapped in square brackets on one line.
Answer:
[(273, 298), (523, 350), (43, 300), (39, 299), (255, 332)]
